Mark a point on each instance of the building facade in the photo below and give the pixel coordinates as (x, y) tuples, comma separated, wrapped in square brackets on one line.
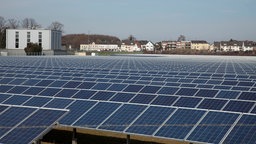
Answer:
[(99, 47), (200, 45), (19, 38), (234, 45)]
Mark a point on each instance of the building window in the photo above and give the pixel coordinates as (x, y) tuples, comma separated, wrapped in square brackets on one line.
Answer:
[(28, 38), (16, 39), (40, 39)]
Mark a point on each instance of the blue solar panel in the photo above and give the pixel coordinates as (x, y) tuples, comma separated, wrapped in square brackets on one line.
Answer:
[(71, 84), (187, 91), (227, 94), (31, 82), (180, 123), (164, 100), (188, 85), (27, 135), (84, 94), (133, 88), (97, 115), (143, 98), (207, 93), (122, 118), (86, 85), (57, 83), (2, 108), (59, 103), (213, 127), (122, 97), (50, 92), (248, 96), (222, 87), (249, 84), (168, 90), (6, 80), (68, 93), (18, 89), (5, 88), (187, 102), (101, 86), (244, 131), (3, 97), (16, 100), (101, 95), (239, 106), (37, 101), (233, 83), (117, 87), (150, 89), (12, 117), (33, 90), (214, 104), (44, 83), (17, 81), (150, 120), (241, 88)]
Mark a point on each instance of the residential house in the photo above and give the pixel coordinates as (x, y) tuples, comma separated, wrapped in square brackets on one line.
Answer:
[(234, 45), (130, 46), (168, 45), (200, 45), (146, 45), (99, 47)]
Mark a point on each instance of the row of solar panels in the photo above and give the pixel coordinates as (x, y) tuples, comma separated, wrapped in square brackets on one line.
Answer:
[(23, 124)]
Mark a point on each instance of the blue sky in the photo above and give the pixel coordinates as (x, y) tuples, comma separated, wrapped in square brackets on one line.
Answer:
[(154, 20)]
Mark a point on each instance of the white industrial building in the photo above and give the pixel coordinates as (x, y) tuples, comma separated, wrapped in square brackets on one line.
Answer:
[(99, 47), (19, 38)]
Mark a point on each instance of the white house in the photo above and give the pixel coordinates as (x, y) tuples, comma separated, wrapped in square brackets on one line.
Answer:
[(99, 47), (130, 46), (19, 38), (147, 45), (234, 45)]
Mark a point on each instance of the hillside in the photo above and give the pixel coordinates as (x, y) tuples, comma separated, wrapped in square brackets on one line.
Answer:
[(76, 39)]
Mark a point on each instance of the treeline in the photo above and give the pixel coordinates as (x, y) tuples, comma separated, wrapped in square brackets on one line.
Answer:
[(74, 40)]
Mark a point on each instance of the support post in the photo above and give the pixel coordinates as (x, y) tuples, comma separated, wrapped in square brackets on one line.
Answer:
[(128, 139), (74, 136)]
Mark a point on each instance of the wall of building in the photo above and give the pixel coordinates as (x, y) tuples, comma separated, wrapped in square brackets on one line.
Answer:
[(50, 40)]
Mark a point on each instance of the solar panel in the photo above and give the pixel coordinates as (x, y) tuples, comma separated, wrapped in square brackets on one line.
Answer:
[(143, 98), (18, 89), (164, 100), (5, 88), (58, 103), (84, 94), (249, 84), (206, 93), (96, 115), (37, 101), (31, 82), (57, 83), (213, 104), (44, 82), (41, 117), (133, 88), (248, 96), (122, 118), (33, 90), (213, 127), (180, 123), (168, 90), (187, 91), (76, 110), (150, 120), (244, 131), (16, 100), (68, 93), (49, 91), (228, 94), (86, 85), (150, 89), (17, 81), (239, 106), (187, 102), (101, 95), (101, 86), (122, 97)]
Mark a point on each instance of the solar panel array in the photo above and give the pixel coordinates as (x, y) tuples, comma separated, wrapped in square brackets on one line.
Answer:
[(209, 99)]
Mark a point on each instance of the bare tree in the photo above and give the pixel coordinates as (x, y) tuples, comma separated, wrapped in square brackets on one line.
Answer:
[(13, 24), (30, 23), (182, 38), (56, 26), (2, 32), (2, 24)]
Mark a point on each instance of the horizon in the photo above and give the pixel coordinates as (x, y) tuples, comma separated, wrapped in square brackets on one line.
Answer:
[(145, 19)]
